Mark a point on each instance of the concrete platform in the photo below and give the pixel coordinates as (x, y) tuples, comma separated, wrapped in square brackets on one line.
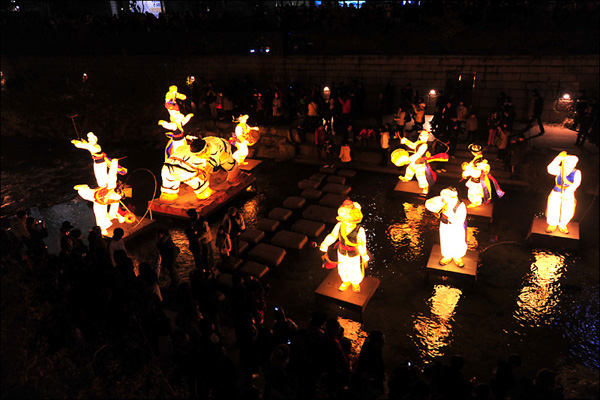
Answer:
[(280, 214), (310, 228), (328, 170), (469, 271), (410, 190), (483, 213), (320, 213), (294, 202), (539, 237), (290, 240), (328, 292), (255, 269), (223, 195), (267, 254), (252, 235), (332, 200), (267, 225), (347, 173), (336, 188), (340, 180), (250, 164), (308, 184), (311, 194), (131, 230)]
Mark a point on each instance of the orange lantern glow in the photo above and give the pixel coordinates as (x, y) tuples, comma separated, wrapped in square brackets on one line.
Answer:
[(479, 181), (244, 136), (561, 201)]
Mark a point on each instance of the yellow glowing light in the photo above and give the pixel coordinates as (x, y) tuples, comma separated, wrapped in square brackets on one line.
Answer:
[(432, 92), (453, 214), (353, 331), (406, 235), (326, 89), (566, 96), (561, 200)]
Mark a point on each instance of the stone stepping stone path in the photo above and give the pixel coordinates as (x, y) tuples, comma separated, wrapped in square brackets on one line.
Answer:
[(332, 200), (310, 228), (347, 173), (294, 202), (336, 179), (280, 214), (319, 213), (252, 235), (311, 194), (308, 184), (327, 170), (336, 189), (318, 177), (267, 225), (255, 269), (267, 254), (289, 240)]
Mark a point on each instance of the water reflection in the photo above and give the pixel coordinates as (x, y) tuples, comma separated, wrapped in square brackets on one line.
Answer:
[(408, 234), (434, 332), (354, 332), (251, 210), (541, 290)]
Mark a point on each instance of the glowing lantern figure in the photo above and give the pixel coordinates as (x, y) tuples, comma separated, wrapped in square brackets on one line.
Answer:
[(244, 136), (107, 196), (479, 180), (177, 121), (193, 165), (561, 201), (453, 225), (351, 246), (418, 162)]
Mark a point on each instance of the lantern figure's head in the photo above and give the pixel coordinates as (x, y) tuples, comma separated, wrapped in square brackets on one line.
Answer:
[(448, 194), (424, 136), (349, 212), (172, 89), (400, 157), (190, 79), (475, 149), (569, 163), (243, 119), (91, 138)]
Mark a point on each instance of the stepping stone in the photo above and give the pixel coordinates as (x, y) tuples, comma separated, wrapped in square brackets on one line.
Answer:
[(332, 200), (294, 202), (320, 213), (252, 236), (310, 228), (318, 177), (231, 265), (308, 184), (289, 240), (347, 173), (280, 214), (267, 225), (327, 170), (254, 269), (311, 194), (336, 179), (242, 246), (267, 254), (336, 189)]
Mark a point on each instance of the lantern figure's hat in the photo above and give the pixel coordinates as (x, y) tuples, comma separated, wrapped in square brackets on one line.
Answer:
[(569, 163), (424, 136), (242, 118), (350, 212), (475, 149)]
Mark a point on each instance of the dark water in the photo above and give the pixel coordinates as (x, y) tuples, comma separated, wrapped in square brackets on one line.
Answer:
[(540, 303)]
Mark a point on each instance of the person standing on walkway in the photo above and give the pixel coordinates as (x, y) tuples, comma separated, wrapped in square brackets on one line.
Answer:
[(234, 225), (536, 112), (345, 154), (384, 141)]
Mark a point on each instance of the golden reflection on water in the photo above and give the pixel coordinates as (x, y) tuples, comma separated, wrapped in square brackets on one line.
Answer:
[(251, 210), (434, 332), (408, 234), (541, 290), (353, 331), (472, 243)]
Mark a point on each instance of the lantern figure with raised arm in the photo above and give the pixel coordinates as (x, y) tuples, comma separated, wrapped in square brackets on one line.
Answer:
[(193, 165), (561, 201), (453, 225), (418, 162), (177, 121), (479, 180), (107, 196), (244, 136), (351, 245)]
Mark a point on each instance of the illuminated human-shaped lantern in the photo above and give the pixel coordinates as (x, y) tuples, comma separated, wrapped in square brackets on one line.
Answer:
[(417, 164), (244, 136), (453, 225), (107, 196), (192, 164), (176, 122), (351, 246), (561, 201), (479, 181)]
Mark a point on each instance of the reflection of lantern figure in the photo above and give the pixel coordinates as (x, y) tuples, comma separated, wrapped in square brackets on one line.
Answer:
[(193, 165), (479, 180), (244, 136), (561, 201), (453, 225), (418, 162), (177, 121), (351, 246), (107, 196)]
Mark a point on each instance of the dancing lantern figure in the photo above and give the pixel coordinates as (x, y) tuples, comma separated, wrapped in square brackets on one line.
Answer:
[(418, 162), (192, 164), (453, 225), (561, 201), (177, 121), (107, 196), (351, 245), (478, 179), (244, 136)]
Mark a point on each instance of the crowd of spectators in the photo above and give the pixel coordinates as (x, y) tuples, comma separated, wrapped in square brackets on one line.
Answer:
[(198, 29)]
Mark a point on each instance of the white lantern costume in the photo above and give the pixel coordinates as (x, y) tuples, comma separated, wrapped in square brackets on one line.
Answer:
[(177, 121), (479, 180), (106, 197), (351, 245), (453, 225), (193, 165), (418, 162), (244, 136), (561, 201)]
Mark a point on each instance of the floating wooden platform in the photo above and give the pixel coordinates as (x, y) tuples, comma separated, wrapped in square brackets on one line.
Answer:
[(469, 271), (409, 189), (539, 237), (328, 293), (131, 230), (483, 213), (223, 194)]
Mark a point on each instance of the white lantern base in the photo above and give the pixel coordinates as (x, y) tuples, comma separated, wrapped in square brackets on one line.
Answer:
[(539, 237)]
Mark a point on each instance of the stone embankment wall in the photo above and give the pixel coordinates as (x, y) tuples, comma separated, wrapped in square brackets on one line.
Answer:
[(486, 75)]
